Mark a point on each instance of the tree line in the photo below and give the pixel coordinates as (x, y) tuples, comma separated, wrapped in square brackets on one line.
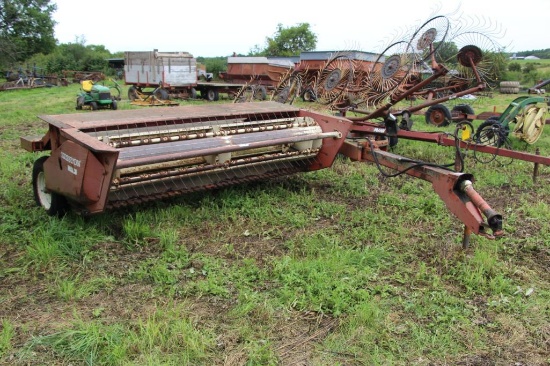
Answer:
[(28, 43)]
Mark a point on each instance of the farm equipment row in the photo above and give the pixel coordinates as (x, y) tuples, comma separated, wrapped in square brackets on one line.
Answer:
[(158, 78), (118, 158)]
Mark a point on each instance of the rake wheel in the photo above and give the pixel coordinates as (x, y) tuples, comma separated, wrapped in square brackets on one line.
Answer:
[(334, 79), (288, 89), (426, 40), (391, 69)]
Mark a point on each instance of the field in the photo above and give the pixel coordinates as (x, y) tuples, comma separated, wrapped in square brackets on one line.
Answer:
[(336, 267)]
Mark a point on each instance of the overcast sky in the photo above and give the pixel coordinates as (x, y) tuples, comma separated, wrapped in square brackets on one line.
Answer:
[(219, 28)]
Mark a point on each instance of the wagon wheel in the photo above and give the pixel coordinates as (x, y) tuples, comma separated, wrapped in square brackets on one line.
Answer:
[(212, 95), (161, 94), (463, 109), (288, 89), (333, 80)]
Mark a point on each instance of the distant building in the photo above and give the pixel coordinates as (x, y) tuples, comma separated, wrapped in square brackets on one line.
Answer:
[(516, 57)]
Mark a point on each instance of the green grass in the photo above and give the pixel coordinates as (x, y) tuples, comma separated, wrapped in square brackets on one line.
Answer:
[(335, 267)]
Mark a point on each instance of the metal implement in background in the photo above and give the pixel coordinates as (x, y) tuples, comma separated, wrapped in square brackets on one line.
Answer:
[(149, 99), (527, 114)]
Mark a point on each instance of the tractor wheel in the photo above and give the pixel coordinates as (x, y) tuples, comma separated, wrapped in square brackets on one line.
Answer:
[(94, 106), (491, 133), (79, 102), (193, 93), (260, 92), (438, 115), (463, 109), (114, 105), (132, 93), (53, 203)]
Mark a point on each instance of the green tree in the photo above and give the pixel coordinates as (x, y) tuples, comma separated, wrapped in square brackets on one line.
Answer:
[(289, 41), (26, 28), (514, 66), (215, 65), (528, 68), (446, 53)]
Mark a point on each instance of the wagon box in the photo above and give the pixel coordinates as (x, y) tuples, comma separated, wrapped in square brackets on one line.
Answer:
[(153, 68)]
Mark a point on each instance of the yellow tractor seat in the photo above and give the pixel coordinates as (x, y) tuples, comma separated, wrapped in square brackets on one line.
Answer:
[(87, 85)]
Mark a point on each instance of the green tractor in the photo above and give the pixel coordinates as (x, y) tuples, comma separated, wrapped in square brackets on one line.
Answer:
[(95, 96)]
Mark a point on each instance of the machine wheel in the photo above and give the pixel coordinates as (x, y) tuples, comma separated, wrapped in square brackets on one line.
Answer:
[(245, 94), (288, 89), (193, 93), (79, 102), (212, 95), (132, 93), (463, 109), (260, 92), (162, 94), (308, 95), (114, 105), (53, 203), (94, 106), (491, 132), (438, 115)]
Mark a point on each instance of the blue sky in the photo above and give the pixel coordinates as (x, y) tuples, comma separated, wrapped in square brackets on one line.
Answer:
[(219, 28)]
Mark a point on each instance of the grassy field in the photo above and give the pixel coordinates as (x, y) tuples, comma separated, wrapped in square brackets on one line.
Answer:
[(336, 267)]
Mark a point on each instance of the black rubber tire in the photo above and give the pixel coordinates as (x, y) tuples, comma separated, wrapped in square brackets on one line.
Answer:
[(193, 93), (491, 133), (53, 203), (308, 95), (260, 92), (94, 106), (79, 102), (212, 95), (162, 94), (438, 115), (463, 109), (114, 105), (132, 93)]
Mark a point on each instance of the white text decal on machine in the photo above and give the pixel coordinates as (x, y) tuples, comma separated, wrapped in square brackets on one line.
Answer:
[(69, 159)]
